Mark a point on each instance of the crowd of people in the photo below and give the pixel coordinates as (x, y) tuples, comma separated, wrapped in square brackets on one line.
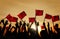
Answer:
[(20, 32)]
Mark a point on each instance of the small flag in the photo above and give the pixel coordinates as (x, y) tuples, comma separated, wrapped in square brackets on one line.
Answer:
[(42, 27), (39, 12), (55, 18), (31, 19), (14, 19), (21, 15), (47, 16), (9, 17)]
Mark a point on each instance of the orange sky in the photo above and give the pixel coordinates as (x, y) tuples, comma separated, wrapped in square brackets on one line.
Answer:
[(14, 7)]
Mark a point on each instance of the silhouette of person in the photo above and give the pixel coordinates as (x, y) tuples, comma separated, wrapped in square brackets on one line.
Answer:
[(2, 21), (12, 33), (44, 34), (4, 26), (8, 32), (57, 36), (20, 23), (49, 31)]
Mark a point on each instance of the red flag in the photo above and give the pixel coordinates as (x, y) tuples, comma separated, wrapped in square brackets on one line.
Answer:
[(21, 15), (47, 16), (32, 19), (42, 27), (55, 18), (14, 19), (9, 17), (39, 12)]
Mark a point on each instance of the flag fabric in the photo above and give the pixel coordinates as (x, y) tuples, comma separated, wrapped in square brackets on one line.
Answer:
[(14, 19), (42, 27), (55, 18), (39, 12), (9, 17), (31, 19), (21, 15), (47, 16)]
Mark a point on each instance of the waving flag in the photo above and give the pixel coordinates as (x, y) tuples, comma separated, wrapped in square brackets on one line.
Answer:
[(39, 12), (31, 19), (9, 17), (42, 27), (21, 15), (14, 19), (55, 18), (47, 16)]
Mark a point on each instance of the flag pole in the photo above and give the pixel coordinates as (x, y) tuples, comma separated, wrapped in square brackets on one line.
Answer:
[(36, 25), (52, 22), (44, 19)]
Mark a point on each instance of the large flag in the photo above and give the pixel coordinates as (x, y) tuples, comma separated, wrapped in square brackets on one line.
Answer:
[(9, 17), (21, 15), (47, 16), (39, 12), (31, 19), (55, 18)]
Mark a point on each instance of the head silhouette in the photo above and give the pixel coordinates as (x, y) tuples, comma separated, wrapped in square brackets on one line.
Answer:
[(56, 25)]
